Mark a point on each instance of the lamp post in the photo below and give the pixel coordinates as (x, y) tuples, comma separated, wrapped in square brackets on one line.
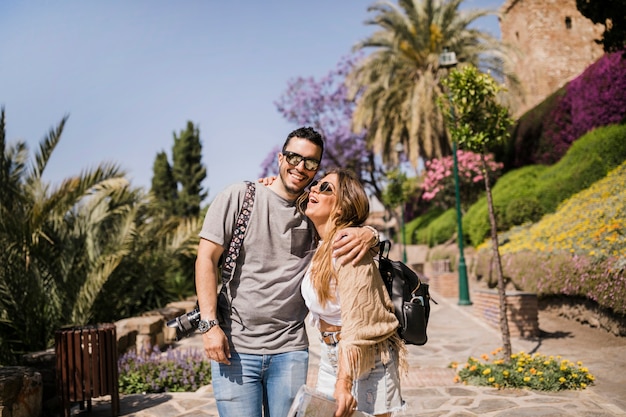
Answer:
[(448, 60), (399, 148)]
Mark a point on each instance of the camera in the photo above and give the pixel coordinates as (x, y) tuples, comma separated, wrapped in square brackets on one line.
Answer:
[(185, 324)]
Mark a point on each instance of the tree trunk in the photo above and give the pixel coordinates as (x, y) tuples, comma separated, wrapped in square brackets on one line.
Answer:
[(504, 322)]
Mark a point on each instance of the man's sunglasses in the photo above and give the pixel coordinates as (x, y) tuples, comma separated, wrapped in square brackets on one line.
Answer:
[(295, 159), (324, 187)]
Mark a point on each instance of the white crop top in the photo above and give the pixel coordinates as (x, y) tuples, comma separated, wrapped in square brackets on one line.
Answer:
[(330, 313)]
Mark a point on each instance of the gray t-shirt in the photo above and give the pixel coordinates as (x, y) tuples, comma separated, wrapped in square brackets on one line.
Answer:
[(268, 310)]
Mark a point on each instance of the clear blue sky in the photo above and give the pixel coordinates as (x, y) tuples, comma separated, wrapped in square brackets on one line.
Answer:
[(130, 73)]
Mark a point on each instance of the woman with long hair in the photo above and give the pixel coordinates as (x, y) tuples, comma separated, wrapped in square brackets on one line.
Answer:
[(362, 354)]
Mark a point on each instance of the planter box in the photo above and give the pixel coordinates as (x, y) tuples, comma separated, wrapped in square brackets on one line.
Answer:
[(445, 284), (522, 311)]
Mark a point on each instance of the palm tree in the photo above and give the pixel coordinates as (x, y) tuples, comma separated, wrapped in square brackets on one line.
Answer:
[(151, 274), (92, 249), (399, 83), (58, 244)]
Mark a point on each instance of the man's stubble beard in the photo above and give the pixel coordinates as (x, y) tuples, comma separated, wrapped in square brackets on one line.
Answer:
[(292, 190)]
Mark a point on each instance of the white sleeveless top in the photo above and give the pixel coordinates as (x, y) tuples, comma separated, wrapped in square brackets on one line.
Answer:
[(330, 312)]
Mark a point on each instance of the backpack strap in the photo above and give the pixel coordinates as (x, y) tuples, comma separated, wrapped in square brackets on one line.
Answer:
[(385, 247)]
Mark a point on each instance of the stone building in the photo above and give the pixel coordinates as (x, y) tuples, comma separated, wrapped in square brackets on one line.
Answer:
[(555, 44)]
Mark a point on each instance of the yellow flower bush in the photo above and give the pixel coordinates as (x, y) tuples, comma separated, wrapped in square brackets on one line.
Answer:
[(578, 251), (536, 372), (592, 223)]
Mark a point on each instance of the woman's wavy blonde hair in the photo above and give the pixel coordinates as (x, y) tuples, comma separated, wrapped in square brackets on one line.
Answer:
[(351, 208)]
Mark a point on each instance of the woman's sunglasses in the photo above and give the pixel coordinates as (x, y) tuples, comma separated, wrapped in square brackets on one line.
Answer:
[(294, 159), (324, 187)]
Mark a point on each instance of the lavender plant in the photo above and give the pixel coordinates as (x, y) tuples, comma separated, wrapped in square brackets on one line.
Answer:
[(153, 371)]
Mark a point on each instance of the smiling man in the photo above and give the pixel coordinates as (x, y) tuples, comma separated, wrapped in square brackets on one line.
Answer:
[(259, 348)]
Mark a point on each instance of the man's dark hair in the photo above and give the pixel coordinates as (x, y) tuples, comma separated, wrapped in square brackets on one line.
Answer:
[(307, 133)]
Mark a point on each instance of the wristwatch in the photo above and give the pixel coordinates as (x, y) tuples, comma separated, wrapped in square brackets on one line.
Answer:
[(206, 325)]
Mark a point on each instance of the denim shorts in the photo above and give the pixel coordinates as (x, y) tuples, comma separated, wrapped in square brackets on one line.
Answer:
[(376, 391)]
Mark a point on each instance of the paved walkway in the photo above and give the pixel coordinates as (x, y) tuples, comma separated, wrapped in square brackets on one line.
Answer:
[(454, 335)]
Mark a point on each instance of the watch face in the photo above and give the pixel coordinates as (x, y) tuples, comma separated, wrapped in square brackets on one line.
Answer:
[(203, 326)]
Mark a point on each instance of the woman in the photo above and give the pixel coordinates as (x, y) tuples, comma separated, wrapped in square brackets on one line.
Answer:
[(361, 352)]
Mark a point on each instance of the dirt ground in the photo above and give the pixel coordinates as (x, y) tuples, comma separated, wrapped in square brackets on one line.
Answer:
[(600, 351)]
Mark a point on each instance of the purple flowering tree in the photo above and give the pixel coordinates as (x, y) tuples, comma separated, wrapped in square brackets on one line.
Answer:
[(438, 182), (323, 104)]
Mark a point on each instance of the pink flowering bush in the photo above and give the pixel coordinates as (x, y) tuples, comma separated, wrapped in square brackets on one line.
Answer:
[(595, 98), (438, 184)]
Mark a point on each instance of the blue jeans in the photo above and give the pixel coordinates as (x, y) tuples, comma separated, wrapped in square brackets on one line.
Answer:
[(258, 385)]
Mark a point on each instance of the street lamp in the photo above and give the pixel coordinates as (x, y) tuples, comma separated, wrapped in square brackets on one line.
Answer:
[(399, 148), (448, 60)]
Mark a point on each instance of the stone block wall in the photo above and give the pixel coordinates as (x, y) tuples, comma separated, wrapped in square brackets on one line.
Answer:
[(442, 280), (44, 363), (21, 391), (555, 44), (522, 311), (445, 284), (150, 329)]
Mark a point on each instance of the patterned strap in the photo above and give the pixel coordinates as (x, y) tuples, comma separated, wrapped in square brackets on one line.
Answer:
[(239, 231)]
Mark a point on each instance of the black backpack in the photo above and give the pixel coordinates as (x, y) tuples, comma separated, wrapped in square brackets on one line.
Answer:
[(410, 297)]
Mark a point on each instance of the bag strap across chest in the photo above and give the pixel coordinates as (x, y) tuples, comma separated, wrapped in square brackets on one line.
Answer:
[(239, 231)]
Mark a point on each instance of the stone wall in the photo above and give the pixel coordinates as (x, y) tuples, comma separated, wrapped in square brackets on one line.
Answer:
[(21, 392), (150, 329), (555, 44), (585, 312), (442, 280), (522, 311), (445, 284)]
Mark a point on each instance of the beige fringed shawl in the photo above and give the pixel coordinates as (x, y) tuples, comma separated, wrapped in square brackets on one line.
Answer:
[(369, 325)]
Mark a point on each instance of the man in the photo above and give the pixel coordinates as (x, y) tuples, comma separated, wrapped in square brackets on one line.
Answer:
[(259, 350)]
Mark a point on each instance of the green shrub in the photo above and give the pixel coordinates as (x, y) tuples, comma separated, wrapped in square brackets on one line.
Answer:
[(514, 185), (439, 230), (536, 372), (476, 224), (419, 223), (523, 210), (588, 160), (528, 144), (578, 251)]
